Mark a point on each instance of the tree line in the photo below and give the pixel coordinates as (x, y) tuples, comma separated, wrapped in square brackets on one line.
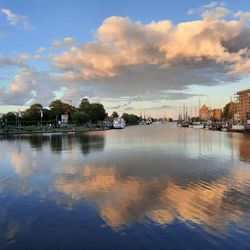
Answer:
[(85, 113), (36, 114)]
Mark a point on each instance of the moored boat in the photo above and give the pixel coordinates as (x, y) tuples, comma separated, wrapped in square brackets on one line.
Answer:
[(119, 123), (236, 128)]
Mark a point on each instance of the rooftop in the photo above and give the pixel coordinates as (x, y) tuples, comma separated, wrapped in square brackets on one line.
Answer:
[(243, 91)]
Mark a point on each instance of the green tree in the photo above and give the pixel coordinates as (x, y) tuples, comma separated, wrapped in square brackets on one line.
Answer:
[(59, 108), (10, 118), (79, 117), (114, 114), (94, 111), (97, 112), (32, 115), (131, 119)]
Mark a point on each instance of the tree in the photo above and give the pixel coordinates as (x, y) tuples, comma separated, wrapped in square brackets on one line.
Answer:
[(131, 119), (94, 111), (114, 114), (9, 118), (32, 115), (79, 117), (59, 108)]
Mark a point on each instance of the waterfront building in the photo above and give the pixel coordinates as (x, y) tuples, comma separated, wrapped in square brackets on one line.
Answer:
[(217, 114), (204, 113), (244, 106)]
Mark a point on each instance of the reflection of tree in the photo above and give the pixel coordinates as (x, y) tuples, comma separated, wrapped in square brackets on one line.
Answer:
[(56, 143), (88, 142), (37, 141), (91, 142)]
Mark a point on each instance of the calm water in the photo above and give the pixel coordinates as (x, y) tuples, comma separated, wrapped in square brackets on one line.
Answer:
[(144, 187)]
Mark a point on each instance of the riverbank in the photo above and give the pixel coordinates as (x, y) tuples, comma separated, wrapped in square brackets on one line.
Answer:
[(34, 130)]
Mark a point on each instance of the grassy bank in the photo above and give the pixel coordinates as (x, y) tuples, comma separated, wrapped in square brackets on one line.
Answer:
[(45, 129)]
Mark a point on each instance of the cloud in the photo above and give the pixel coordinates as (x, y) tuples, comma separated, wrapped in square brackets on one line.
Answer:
[(66, 42), (16, 20), (41, 50), (28, 85), (210, 5), (133, 59), (6, 61), (244, 16)]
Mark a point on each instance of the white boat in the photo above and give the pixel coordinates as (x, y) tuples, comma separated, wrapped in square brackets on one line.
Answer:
[(119, 122), (197, 125), (236, 128)]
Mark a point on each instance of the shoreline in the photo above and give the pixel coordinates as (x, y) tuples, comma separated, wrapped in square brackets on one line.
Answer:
[(71, 131)]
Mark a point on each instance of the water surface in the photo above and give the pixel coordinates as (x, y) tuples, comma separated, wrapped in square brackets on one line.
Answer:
[(144, 187)]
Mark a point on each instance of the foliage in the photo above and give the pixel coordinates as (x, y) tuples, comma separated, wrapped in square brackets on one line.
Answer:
[(114, 114), (131, 119), (79, 117), (59, 108), (32, 115), (94, 111), (9, 118)]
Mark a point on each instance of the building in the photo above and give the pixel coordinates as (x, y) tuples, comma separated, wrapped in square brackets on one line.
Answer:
[(244, 106), (204, 113), (217, 114)]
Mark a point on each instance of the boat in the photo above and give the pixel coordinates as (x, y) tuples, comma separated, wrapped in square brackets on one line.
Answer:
[(146, 122), (215, 126), (184, 124), (119, 123), (197, 125), (236, 128)]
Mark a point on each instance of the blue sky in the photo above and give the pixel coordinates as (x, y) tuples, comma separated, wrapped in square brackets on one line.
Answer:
[(27, 74)]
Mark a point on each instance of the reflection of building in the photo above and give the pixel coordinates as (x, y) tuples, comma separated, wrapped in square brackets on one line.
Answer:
[(217, 114), (245, 149), (244, 106), (204, 113)]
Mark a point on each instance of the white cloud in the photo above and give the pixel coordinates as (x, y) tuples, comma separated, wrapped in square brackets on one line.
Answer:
[(210, 5), (29, 85), (16, 20), (66, 42), (137, 62), (141, 61), (244, 16), (41, 50), (124, 43)]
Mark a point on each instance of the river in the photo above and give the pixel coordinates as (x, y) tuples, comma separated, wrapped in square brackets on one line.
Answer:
[(143, 187)]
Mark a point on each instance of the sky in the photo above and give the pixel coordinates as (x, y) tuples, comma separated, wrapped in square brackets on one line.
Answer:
[(131, 56)]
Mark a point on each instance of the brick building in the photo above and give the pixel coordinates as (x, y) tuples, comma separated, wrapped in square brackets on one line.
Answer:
[(244, 106), (204, 113), (217, 114)]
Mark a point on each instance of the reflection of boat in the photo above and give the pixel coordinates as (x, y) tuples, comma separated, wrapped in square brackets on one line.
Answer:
[(236, 128), (119, 122)]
